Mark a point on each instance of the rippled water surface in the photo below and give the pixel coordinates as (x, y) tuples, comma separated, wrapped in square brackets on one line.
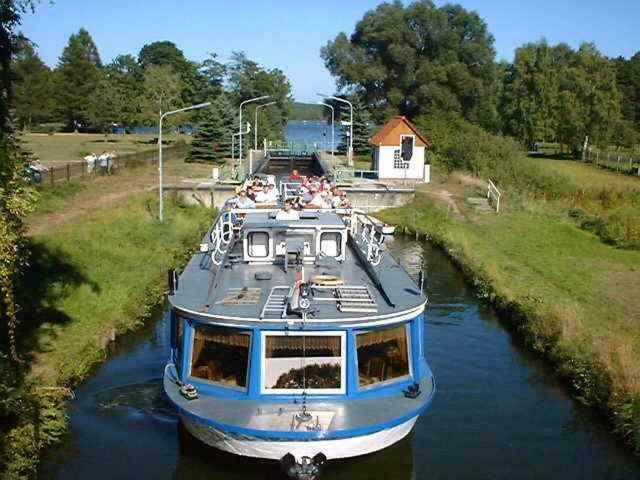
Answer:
[(497, 413)]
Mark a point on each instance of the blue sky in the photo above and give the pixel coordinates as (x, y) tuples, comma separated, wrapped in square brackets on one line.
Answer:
[(288, 34)]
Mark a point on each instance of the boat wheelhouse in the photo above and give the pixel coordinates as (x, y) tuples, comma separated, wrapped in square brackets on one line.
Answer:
[(297, 337)]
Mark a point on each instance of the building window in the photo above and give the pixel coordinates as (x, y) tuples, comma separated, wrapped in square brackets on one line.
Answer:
[(382, 355), (296, 363), (398, 163), (220, 355)]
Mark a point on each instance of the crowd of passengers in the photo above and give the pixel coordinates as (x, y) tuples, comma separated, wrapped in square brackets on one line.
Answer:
[(312, 192)]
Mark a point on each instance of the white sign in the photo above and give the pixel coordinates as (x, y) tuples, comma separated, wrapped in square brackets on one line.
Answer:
[(344, 123)]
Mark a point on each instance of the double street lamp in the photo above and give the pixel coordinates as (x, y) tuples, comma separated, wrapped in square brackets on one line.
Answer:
[(162, 117), (342, 100)]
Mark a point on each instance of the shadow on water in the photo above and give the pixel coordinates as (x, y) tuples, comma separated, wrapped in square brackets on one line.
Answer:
[(498, 412)]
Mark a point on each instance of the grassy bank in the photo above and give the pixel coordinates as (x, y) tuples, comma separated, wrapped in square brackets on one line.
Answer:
[(571, 297), (89, 280), (70, 147)]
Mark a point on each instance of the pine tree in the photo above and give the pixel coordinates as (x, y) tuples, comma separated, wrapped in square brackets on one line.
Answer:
[(362, 127), (212, 138), (78, 75)]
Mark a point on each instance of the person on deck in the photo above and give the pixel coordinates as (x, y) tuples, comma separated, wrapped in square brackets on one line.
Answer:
[(295, 175), (242, 201)]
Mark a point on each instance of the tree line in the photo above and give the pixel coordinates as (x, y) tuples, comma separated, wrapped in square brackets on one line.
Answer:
[(423, 61), (83, 93)]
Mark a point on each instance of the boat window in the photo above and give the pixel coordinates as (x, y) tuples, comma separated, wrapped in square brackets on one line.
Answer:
[(258, 244), (220, 355), (331, 244), (304, 362), (382, 355)]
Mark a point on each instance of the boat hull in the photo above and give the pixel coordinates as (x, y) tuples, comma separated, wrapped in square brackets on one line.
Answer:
[(275, 449)]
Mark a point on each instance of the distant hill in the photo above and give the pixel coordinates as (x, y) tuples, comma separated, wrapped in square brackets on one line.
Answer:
[(306, 111)]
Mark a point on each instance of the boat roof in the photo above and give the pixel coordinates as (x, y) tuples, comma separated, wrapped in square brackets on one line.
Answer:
[(240, 293)]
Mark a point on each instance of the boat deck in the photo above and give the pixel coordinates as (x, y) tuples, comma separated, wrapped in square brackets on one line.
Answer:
[(234, 290)]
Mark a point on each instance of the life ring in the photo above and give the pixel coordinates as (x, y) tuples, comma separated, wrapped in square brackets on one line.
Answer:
[(328, 280)]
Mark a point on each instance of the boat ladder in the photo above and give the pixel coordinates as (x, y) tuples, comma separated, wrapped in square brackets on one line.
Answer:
[(355, 299), (276, 304)]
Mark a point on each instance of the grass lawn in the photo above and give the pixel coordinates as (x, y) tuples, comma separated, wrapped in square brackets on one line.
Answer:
[(70, 147), (99, 276), (572, 297)]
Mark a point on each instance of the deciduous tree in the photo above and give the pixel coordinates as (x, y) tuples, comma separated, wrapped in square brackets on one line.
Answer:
[(418, 59)]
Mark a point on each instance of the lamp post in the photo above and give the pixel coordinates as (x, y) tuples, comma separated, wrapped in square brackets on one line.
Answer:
[(328, 105), (256, 99), (342, 100), (162, 117), (255, 124)]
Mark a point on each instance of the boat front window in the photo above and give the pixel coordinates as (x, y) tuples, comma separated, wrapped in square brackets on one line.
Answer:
[(382, 355), (311, 362), (220, 355), (331, 244), (258, 244)]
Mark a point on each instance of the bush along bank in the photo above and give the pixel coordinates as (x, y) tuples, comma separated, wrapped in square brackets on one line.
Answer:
[(533, 268), (88, 282)]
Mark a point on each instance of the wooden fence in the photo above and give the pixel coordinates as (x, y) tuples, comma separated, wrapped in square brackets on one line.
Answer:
[(80, 170)]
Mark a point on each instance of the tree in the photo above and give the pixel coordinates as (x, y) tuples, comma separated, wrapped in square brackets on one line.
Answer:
[(557, 93), (77, 77), (33, 88), (362, 127), (531, 93), (106, 107), (212, 139), (247, 79), (628, 77), (418, 59), (161, 93), (15, 198), (126, 78)]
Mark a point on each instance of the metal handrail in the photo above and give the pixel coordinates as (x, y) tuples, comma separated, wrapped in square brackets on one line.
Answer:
[(494, 193)]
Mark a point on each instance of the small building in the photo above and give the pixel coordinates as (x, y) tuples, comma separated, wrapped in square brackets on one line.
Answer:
[(388, 148)]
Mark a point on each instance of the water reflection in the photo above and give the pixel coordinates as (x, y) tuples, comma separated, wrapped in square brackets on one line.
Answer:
[(498, 413)]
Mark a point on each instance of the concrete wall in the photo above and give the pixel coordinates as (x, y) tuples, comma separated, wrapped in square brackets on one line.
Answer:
[(369, 199), (385, 160)]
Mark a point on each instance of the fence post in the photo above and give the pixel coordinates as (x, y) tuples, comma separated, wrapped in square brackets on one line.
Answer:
[(68, 173), (51, 175)]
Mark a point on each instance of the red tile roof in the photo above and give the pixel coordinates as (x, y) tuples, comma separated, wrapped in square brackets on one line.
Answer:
[(381, 136)]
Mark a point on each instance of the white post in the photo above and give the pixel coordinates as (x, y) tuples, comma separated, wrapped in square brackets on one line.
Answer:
[(333, 159), (350, 148)]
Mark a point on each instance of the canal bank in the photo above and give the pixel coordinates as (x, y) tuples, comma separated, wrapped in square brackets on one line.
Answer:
[(499, 413), (557, 287), (89, 280)]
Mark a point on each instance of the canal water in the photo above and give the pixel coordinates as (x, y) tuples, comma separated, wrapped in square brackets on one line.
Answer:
[(497, 413)]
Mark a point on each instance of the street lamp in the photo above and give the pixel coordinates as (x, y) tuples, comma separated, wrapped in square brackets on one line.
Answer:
[(337, 99), (255, 124), (328, 105), (256, 99), (162, 116)]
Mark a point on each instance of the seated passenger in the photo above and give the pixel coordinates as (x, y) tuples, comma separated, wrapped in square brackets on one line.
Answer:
[(287, 212), (295, 175), (242, 201)]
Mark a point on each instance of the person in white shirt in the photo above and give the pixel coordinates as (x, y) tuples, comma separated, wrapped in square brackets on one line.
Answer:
[(242, 201), (287, 212)]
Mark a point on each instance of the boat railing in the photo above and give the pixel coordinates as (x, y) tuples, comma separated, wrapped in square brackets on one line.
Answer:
[(289, 190)]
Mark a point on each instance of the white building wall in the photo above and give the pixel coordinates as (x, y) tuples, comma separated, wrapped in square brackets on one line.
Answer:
[(386, 163)]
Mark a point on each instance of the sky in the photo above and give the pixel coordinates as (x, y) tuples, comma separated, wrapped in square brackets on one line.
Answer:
[(288, 34)]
